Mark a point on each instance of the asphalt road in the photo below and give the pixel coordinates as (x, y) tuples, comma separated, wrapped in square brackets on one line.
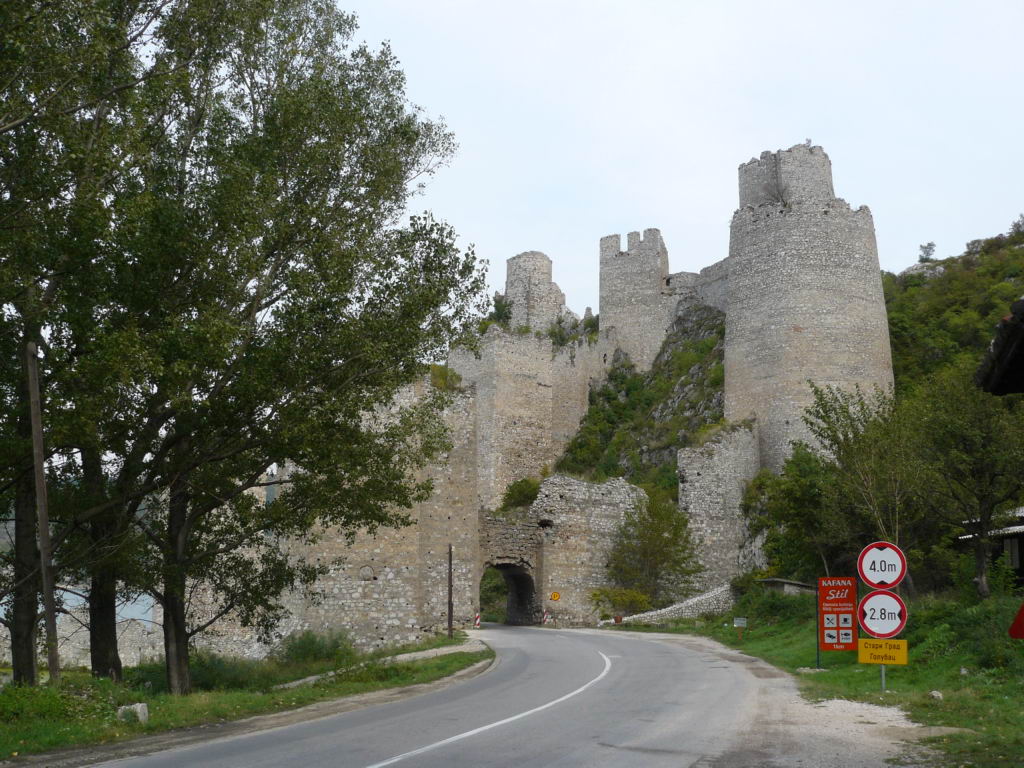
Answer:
[(553, 698)]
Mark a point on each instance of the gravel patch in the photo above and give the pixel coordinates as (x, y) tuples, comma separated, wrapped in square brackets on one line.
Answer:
[(778, 728)]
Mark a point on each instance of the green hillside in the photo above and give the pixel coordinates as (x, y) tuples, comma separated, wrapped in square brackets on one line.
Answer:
[(940, 311)]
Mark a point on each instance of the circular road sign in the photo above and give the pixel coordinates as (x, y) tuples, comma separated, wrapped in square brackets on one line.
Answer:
[(882, 565), (556, 596), (882, 614)]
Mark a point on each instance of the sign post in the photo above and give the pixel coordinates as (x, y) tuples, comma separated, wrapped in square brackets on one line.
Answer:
[(881, 613), (740, 623), (837, 604)]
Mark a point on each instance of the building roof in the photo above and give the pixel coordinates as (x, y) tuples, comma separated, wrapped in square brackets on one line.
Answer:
[(1002, 370)]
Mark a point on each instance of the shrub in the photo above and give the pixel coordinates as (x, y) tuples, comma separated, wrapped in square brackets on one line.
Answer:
[(521, 493), (444, 378), (619, 601), (307, 646), (770, 606)]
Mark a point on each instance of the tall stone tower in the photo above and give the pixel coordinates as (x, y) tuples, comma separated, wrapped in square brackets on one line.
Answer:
[(632, 294), (805, 297)]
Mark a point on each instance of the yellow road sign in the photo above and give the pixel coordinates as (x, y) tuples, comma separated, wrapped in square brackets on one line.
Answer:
[(556, 596), (873, 651)]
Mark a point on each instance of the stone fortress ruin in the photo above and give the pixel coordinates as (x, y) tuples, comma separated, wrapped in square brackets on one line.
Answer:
[(802, 296)]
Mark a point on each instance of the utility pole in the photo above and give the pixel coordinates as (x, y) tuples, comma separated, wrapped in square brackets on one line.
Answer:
[(45, 549), (451, 603)]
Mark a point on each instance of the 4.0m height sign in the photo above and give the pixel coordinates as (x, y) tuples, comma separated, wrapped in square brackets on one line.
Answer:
[(882, 565)]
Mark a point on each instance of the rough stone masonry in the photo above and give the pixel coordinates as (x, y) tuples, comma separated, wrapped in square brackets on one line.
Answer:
[(802, 294)]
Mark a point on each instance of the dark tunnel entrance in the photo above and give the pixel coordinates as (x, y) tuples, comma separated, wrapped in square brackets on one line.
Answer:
[(508, 595)]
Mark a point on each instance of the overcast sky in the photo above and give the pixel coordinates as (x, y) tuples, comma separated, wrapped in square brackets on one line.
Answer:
[(581, 119)]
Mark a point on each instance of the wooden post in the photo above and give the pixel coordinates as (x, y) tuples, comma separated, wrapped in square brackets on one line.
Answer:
[(45, 550), (451, 603)]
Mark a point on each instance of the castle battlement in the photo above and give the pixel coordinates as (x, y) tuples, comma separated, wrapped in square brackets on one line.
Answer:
[(650, 245), (799, 174)]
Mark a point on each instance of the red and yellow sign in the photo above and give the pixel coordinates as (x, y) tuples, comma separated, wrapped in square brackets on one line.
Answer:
[(837, 606)]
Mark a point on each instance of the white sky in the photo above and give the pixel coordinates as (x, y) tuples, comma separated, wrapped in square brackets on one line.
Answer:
[(578, 119)]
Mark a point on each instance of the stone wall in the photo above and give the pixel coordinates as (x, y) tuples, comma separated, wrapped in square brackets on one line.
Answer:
[(579, 521), (712, 480), (139, 640), (714, 601), (805, 299)]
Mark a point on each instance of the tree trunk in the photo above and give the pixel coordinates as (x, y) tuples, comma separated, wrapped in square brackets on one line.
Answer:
[(179, 679), (908, 582), (25, 608), (103, 653), (982, 551), (103, 531)]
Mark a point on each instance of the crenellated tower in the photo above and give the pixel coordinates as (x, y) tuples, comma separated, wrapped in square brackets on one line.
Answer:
[(633, 287), (804, 298)]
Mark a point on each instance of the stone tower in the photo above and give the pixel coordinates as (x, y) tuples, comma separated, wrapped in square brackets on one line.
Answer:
[(632, 294), (536, 301), (804, 299)]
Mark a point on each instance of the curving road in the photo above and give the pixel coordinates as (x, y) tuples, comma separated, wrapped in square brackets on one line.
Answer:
[(565, 698)]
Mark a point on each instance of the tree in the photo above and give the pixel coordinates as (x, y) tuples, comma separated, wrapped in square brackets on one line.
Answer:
[(809, 529), (68, 73), (971, 451), (868, 442), (264, 307), (653, 553)]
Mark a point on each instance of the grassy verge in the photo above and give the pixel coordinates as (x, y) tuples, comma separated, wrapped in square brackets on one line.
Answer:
[(958, 648), (83, 710)]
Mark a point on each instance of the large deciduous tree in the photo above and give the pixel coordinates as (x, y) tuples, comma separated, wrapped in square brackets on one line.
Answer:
[(250, 298)]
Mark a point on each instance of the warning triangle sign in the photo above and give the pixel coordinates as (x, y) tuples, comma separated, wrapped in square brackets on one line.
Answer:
[(1017, 628)]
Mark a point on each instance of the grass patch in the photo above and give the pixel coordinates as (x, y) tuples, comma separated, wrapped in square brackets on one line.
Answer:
[(945, 636), (83, 710)]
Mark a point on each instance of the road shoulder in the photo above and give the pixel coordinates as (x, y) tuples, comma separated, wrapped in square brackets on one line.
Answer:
[(145, 745), (835, 733)]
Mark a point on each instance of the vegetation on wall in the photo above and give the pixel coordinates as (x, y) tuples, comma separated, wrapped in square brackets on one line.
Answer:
[(568, 330), (637, 421), (520, 493), (500, 314)]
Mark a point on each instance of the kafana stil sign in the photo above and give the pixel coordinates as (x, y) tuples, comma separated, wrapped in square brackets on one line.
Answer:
[(837, 606)]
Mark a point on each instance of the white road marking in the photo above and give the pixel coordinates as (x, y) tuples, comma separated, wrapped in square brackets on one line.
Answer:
[(482, 728)]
